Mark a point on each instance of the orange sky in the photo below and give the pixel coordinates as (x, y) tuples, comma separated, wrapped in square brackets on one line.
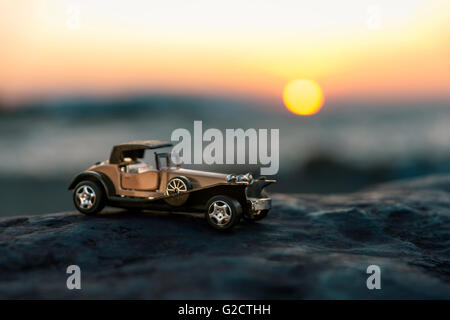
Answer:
[(225, 47)]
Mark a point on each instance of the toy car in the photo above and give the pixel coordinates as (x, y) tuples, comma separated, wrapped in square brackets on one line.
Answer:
[(127, 181)]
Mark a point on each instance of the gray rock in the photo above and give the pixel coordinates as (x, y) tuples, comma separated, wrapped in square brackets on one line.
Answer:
[(309, 247)]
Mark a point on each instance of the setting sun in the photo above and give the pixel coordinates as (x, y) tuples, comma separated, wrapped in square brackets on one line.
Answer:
[(303, 97)]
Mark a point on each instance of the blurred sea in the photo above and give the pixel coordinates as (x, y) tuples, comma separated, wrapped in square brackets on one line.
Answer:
[(342, 149)]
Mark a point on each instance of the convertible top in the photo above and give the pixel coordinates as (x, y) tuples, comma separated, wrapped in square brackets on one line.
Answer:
[(134, 149)]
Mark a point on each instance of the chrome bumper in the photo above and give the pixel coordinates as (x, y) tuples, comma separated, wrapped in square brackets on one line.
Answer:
[(260, 204)]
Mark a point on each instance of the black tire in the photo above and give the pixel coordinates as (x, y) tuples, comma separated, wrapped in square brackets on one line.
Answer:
[(95, 203), (177, 197), (258, 217), (227, 207)]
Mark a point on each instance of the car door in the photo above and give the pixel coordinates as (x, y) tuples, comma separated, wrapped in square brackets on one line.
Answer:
[(144, 181)]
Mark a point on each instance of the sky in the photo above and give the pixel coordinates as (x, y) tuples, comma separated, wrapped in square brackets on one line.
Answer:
[(352, 49)]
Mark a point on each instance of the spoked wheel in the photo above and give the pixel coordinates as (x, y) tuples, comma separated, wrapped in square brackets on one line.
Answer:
[(223, 212), (88, 197), (175, 187)]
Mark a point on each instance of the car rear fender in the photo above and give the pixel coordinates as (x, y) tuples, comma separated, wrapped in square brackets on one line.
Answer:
[(97, 177)]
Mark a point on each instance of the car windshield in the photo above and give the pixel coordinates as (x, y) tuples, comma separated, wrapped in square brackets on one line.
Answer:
[(163, 158)]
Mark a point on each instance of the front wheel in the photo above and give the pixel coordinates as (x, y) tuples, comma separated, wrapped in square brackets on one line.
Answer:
[(89, 197), (223, 212)]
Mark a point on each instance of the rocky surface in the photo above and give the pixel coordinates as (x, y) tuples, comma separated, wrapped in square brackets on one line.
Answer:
[(309, 246)]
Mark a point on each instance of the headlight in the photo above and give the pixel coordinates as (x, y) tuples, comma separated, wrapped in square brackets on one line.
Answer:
[(246, 178), (242, 178), (230, 178)]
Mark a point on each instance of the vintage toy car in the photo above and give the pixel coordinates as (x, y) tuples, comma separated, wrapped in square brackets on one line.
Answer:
[(127, 181)]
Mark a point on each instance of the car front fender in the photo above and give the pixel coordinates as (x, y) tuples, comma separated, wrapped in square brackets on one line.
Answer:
[(254, 190)]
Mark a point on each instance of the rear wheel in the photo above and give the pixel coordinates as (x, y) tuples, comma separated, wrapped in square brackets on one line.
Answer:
[(223, 212), (89, 197)]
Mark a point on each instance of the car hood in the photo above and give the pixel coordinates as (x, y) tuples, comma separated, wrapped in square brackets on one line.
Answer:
[(198, 178)]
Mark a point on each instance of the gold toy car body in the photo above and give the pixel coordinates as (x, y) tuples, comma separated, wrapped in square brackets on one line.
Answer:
[(126, 181)]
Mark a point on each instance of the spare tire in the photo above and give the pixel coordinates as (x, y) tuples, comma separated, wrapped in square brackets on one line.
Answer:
[(176, 190)]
